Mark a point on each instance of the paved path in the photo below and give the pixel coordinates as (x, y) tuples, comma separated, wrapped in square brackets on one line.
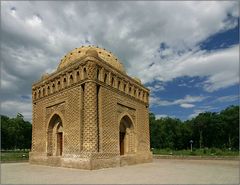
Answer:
[(161, 171)]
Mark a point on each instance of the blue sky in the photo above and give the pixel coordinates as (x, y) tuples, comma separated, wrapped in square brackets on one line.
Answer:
[(180, 87), (185, 52)]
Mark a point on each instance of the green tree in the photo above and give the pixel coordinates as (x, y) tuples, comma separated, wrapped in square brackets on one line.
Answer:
[(208, 129), (16, 133), (186, 134), (230, 119), (5, 132), (155, 131), (201, 123)]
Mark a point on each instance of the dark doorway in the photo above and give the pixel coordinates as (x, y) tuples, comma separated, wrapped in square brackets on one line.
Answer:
[(55, 136), (59, 143), (122, 135), (125, 130)]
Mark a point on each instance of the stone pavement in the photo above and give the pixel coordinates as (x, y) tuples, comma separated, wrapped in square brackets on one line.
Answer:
[(161, 171)]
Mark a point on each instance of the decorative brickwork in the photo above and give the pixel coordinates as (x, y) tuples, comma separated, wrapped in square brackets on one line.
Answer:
[(90, 114), (90, 131)]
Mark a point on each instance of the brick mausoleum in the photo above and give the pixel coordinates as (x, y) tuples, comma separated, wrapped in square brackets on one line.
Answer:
[(90, 114)]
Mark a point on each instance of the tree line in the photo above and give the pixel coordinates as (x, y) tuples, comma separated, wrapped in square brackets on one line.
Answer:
[(16, 133), (207, 130)]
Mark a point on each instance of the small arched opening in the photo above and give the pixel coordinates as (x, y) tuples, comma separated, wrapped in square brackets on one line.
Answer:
[(53, 88), (44, 92), (71, 79), (55, 136), (48, 90), (126, 136), (119, 83), (105, 78), (78, 76), (59, 85), (112, 82)]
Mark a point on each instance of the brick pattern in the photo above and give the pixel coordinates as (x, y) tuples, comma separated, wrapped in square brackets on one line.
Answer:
[(57, 107), (100, 107), (91, 70), (34, 128), (39, 145), (90, 134), (81, 116), (110, 126), (143, 129), (72, 129)]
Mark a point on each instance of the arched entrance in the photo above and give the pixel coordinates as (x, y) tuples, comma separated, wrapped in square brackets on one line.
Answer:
[(55, 136), (126, 136)]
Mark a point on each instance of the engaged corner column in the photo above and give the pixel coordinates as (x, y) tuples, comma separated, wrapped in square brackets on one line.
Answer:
[(90, 129)]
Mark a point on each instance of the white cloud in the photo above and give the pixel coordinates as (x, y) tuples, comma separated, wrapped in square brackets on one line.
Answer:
[(156, 88), (202, 109), (187, 105), (195, 113), (159, 116), (190, 99), (35, 35), (12, 107), (229, 98), (221, 68), (185, 102), (34, 21)]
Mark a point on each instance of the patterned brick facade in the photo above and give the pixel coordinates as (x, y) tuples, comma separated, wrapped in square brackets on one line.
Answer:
[(90, 114)]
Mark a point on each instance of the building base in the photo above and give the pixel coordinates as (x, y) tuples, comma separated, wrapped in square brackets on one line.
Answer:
[(92, 162)]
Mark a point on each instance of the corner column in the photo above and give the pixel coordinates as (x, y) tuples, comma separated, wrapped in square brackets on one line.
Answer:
[(90, 130)]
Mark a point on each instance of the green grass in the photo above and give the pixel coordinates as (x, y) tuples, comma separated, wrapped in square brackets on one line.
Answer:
[(18, 156), (8, 156), (197, 152)]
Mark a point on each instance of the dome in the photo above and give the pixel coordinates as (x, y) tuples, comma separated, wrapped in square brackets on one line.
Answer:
[(91, 51)]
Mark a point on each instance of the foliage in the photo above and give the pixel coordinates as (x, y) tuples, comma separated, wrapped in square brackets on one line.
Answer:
[(198, 152), (207, 130), (16, 133)]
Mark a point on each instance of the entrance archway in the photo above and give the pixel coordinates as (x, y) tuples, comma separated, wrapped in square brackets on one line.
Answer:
[(55, 136), (126, 136)]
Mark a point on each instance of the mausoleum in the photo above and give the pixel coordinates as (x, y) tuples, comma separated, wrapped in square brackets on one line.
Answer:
[(90, 114)]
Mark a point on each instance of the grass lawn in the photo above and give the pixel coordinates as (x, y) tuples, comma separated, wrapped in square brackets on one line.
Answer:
[(9, 156), (18, 156), (197, 152)]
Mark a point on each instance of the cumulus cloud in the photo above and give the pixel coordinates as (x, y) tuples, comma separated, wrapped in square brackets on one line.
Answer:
[(221, 68), (185, 102), (35, 35)]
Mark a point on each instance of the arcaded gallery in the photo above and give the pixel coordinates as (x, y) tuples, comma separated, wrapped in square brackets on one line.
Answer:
[(90, 114)]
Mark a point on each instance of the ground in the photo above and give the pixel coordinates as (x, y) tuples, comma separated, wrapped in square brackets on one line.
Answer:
[(161, 171)]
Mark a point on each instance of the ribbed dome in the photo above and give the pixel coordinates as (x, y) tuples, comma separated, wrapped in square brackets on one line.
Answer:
[(92, 51)]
